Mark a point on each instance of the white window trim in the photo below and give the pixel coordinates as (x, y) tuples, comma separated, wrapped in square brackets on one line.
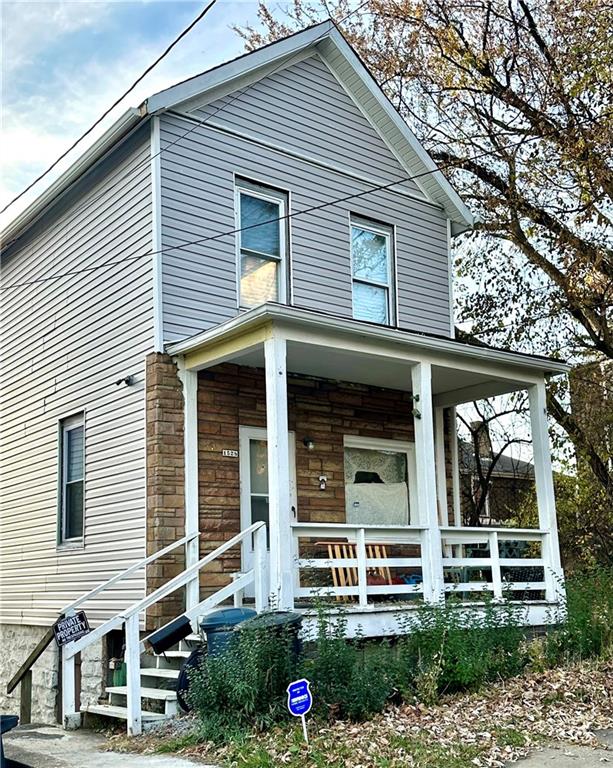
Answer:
[(389, 233), (255, 189), (66, 425), (397, 446), (245, 434)]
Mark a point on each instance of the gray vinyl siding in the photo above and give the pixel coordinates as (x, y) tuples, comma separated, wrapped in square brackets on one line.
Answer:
[(197, 198), (64, 345)]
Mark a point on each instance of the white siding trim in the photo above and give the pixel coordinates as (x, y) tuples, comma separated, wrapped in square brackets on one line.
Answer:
[(156, 235)]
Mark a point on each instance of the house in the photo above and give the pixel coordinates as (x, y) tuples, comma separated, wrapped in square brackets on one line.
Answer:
[(508, 483), (230, 373)]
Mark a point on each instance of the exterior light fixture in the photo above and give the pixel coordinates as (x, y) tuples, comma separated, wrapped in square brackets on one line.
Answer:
[(308, 443)]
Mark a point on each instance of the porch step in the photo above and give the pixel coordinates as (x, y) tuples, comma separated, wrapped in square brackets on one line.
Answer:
[(167, 674), (146, 693), (173, 655), (121, 713)]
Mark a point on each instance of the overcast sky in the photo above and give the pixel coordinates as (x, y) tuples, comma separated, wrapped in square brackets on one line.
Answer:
[(64, 63)]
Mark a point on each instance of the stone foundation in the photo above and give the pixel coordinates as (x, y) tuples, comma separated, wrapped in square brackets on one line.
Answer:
[(16, 643)]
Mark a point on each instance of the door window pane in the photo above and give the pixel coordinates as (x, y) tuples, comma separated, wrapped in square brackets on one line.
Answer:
[(370, 303), (259, 280), (258, 466), (370, 257), (265, 237)]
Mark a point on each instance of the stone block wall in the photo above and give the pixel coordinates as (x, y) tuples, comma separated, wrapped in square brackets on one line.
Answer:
[(17, 642), (165, 481)]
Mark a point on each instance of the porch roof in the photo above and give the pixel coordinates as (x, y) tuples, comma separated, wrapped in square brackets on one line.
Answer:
[(343, 349)]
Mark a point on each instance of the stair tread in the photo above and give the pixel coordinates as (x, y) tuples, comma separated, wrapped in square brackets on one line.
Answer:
[(121, 713), (174, 654), (146, 693), (170, 674)]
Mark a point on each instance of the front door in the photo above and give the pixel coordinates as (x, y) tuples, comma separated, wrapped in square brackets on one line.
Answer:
[(254, 483)]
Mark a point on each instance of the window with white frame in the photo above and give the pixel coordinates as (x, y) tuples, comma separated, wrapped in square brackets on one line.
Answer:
[(262, 243), (371, 260), (72, 474)]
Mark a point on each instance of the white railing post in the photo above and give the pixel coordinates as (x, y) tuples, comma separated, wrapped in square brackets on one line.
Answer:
[(360, 550), (132, 660), (281, 576), (70, 718), (189, 379), (431, 550), (545, 495), (495, 560), (260, 570)]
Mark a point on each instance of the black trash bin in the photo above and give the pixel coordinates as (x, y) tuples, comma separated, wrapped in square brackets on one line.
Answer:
[(218, 627), (278, 622)]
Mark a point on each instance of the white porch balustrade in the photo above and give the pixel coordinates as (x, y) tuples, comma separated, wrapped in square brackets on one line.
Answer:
[(462, 571)]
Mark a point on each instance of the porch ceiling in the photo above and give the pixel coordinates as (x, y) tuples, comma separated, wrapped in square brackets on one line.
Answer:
[(348, 350)]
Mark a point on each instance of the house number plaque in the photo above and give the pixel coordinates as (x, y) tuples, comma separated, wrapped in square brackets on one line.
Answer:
[(231, 454)]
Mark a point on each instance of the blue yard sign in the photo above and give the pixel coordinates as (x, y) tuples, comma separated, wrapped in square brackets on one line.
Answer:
[(300, 701)]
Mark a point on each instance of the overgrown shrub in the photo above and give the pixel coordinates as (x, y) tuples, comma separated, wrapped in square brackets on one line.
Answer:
[(246, 685), (587, 629), (444, 654), (350, 679), (353, 679)]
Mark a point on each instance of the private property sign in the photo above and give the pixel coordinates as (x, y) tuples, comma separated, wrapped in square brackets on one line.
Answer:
[(70, 628)]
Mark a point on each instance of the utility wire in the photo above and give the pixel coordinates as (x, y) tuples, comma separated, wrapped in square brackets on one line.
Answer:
[(196, 124), (186, 245), (187, 29)]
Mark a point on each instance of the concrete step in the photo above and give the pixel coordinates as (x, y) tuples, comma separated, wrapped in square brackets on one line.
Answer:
[(121, 713), (146, 693)]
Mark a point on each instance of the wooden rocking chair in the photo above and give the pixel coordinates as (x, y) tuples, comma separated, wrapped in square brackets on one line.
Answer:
[(348, 576)]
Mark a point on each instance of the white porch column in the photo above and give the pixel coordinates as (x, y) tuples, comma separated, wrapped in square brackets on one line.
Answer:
[(432, 564), (279, 502), (441, 469), (189, 379), (545, 496), (455, 469)]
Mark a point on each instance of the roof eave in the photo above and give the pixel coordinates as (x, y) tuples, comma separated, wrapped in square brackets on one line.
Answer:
[(309, 318)]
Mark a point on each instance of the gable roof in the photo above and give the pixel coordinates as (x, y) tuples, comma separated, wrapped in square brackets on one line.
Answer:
[(327, 41)]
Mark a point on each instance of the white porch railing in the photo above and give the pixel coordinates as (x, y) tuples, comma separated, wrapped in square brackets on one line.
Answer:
[(362, 539), (130, 617), (313, 543), (456, 541)]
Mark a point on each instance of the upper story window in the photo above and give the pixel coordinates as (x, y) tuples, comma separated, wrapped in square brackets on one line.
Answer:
[(262, 243), (72, 473), (371, 260)]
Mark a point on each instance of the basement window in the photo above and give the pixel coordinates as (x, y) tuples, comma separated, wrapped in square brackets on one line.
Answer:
[(71, 476)]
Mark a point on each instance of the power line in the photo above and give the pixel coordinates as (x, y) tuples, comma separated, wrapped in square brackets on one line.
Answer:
[(169, 48), (196, 124), (185, 246)]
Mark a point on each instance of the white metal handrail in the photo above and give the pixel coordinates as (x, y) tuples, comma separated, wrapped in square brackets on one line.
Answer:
[(130, 617)]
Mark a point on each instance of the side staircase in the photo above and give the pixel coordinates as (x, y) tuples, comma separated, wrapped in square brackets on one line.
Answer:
[(159, 674), (149, 694)]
